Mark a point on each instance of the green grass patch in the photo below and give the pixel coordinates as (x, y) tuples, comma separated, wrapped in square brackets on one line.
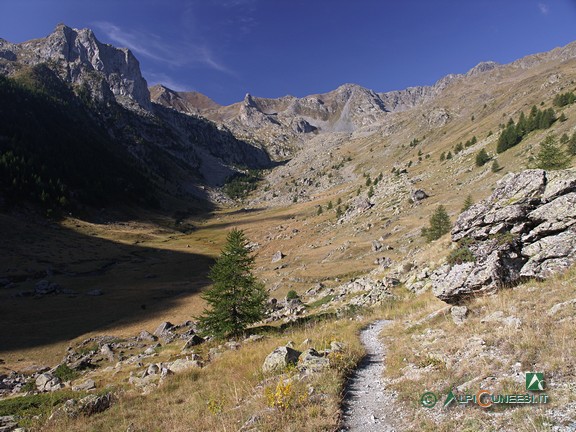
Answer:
[(27, 407), (65, 373), (322, 301)]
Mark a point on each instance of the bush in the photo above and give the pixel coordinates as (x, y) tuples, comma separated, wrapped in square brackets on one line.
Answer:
[(481, 158), (495, 166), (461, 255), (65, 373), (292, 295)]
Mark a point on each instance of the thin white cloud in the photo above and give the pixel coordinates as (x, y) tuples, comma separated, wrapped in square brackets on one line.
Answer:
[(146, 44), (544, 8)]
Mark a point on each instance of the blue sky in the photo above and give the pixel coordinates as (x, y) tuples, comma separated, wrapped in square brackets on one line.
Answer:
[(270, 48)]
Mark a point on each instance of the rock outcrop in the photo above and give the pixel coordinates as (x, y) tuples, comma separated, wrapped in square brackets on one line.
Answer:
[(525, 229), (79, 58)]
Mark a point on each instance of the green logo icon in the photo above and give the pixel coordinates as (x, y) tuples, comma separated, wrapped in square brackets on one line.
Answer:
[(428, 400), (535, 381), (449, 399)]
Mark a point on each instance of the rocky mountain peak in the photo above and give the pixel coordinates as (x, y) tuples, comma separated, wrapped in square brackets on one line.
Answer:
[(81, 59)]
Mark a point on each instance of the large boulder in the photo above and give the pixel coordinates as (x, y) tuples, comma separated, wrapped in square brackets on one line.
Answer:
[(48, 383), (526, 228), (312, 361), (280, 359)]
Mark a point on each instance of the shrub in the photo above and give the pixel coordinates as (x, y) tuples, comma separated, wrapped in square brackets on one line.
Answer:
[(481, 158), (461, 255), (64, 372), (292, 295)]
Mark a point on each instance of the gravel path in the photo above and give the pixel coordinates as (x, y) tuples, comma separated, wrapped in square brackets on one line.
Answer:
[(368, 407)]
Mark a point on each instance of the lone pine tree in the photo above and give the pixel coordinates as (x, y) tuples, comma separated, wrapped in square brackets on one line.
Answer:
[(439, 224), (236, 298)]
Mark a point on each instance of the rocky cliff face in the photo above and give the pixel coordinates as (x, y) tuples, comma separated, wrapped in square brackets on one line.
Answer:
[(80, 59), (181, 153), (284, 124), (525, 229)]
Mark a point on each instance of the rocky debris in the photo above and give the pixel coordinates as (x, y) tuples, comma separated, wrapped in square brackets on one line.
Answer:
[(280, 359), (163, 329), (192, 342), (383, 262), (378, 293), (48, 383), (459, 314), (277, 256), (285, 309), (376, 246), (87, 406), (8, 423), (526, 228), (560, 306), (45, 287), (184, 364), (498, 317), (85, 386), (147, 336), (418, 195), (312, 361), (107, 351)]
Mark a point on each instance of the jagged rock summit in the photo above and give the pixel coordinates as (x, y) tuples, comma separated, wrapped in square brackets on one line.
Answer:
[(81, 59), (525, 229)]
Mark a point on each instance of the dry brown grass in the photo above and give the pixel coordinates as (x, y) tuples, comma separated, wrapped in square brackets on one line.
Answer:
[(232, 390), (439, 356)]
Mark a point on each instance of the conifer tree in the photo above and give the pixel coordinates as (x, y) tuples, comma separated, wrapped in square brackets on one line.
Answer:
[(550, 156), (572, 145), (236, 298), (467, 203), (495, 166), (439, 224), (481, 158)]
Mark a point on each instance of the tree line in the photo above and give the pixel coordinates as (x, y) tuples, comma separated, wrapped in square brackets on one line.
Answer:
[(513, 133)]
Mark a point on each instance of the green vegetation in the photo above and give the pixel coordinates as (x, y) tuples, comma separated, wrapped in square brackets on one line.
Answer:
[(65, 373), (239, 186), (563, 99), (322, 301), (236, 298), (551, 156), (514, 133), (572, 145), (460, 255), (439, 224), (467, 203), (27, 407), (482, 158), (292, 295)]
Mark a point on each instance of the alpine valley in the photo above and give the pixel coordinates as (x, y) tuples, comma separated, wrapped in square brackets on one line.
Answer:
[(116, 199)]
